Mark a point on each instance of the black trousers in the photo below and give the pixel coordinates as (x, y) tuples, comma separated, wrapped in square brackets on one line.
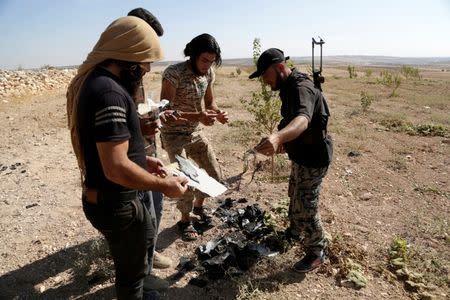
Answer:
[(130, 228)]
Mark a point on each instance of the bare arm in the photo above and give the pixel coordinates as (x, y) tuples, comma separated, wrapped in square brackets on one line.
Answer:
[(168, 92), (210, 104), (119, 169), (270, 145), (293, 130)]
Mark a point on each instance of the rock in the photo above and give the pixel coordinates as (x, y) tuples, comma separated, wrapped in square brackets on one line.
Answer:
[(366, 196), (32, 205), (353, 154), (414, 286), (21, 83), (401, 273), (426, 296)]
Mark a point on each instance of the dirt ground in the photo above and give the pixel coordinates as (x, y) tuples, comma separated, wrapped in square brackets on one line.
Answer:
[(383, 185)]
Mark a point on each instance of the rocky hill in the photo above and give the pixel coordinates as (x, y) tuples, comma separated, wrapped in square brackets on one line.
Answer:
[(33, 82)]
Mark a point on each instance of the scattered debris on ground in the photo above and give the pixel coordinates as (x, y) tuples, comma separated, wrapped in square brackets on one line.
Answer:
[(247, 238)]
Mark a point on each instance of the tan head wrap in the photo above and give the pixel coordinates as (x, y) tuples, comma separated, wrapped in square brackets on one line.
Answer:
[(129, 39)]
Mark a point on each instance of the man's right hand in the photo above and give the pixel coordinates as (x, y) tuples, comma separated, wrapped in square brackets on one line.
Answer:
[(149, 128), (175, 186), (269, 145), (171, 116)]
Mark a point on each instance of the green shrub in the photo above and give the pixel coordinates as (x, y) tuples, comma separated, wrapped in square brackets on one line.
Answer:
[(397, 80), (386, 78), (410, 72), (411, 129), (398, 253), (351, 72), (264, 105), (366, 100), (391, 80), (430, 130)]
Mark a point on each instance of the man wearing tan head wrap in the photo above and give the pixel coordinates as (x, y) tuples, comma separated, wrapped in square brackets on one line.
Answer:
[(109, 147)]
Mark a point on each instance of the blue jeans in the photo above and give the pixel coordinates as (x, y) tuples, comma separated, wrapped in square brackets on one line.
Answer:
[(158, 203), (157, 199), (129, 226)]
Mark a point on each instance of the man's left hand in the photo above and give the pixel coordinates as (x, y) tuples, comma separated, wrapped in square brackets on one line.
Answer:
[(155, 166), (222, 116)]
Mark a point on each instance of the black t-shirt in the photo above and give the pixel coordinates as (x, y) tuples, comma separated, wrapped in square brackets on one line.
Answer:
[(107, 113), (299, 96)]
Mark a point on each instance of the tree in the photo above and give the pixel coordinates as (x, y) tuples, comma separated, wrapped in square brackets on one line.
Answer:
[(265, 104)]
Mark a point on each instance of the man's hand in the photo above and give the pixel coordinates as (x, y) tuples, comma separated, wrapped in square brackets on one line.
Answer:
[(175, 186), (268, 145), (171, 116), (222, 116), (208, 117), (155, 166), (148, 127)]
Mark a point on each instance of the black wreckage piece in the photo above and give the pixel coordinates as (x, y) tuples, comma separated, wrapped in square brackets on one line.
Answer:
[(235, 252)]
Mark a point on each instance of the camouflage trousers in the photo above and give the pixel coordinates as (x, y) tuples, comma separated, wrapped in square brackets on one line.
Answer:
[(196, 147), (304, 216)]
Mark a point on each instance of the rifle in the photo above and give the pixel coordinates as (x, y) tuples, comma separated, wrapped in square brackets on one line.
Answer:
[(318, 79)]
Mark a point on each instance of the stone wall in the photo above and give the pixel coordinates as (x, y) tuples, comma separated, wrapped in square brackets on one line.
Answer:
[(15, 84)]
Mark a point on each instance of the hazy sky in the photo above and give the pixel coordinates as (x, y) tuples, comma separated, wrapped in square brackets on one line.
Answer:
[(62, 32)]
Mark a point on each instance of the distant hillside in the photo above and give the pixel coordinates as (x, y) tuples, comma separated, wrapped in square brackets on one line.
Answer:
[(359, 60)]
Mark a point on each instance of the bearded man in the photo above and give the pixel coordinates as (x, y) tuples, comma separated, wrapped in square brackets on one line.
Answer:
[(303, 134), (189, 88), (107, 141)]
